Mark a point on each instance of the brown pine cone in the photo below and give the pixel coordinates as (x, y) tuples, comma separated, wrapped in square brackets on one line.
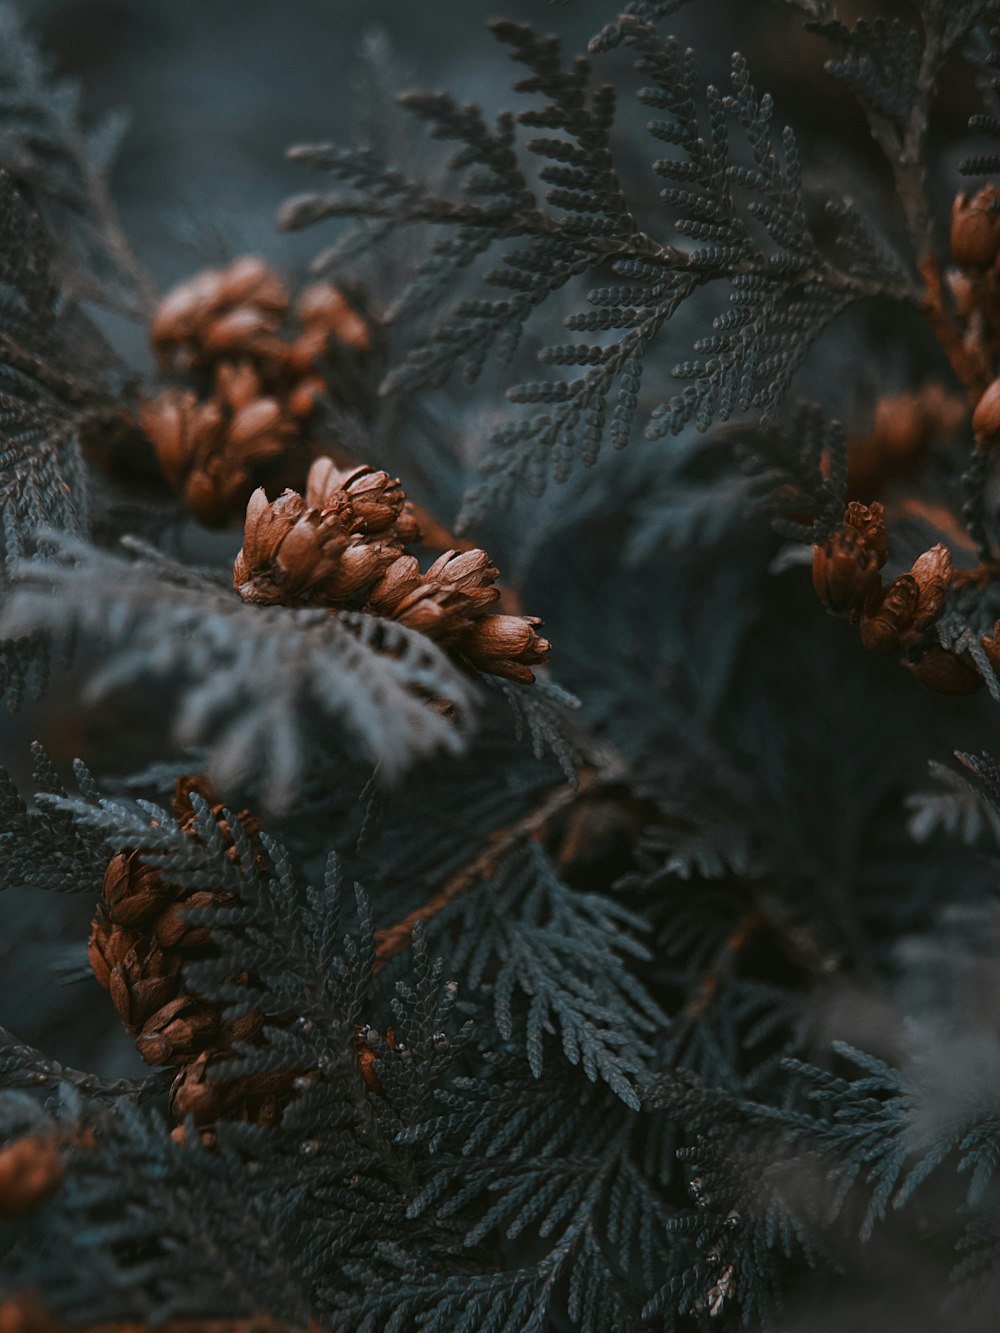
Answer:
[(506, 646), (946, 672), (138, 975), (238, 383), (909, 605), (30, 1170), (134, 893), (401, 579), (184, 432), (195, 321), (322, 307), (372, 502), (868, 521), (975, 229), (845, 573), (206, 1099), (182, 1029), (471, 573), (444, 601), (288, 549)]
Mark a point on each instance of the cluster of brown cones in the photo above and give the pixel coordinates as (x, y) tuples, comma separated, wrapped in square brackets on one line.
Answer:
[(893, 618), (252, 369), (343, 544), (139, 945)]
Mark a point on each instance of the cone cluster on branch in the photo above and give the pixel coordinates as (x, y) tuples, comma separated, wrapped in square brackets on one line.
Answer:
[(895, 617), (139, 945), (343, 544), (252, 370)]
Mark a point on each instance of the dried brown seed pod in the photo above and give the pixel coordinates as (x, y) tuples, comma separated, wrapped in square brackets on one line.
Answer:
[(400, 580), (303, 398), (909, 605), (946, 672), (845, 573), (883, 626), (107, 948), (189, 313), (245, 331), (182, 1029), (868, 521), (371, 501), (975, 229), (506, 646), (238, 383), (471, 573), (183, 432), (322, 306), (288, 549), (133, 892), (933, 573)]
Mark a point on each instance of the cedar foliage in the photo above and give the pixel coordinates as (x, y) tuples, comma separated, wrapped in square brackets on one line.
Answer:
[(659, 997)]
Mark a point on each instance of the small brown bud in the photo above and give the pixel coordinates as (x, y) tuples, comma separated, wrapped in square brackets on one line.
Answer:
[(506, 646), (359, 564), (946, 672), (909, 604), (374, 499), (238, 383), (175, 1034), (845, 573), (304, 397), (250, 281), (471, 573), (868, 521), (108, 946), (932, 572), (245, 330), (257, 431), (975, 229), (173, 929), (30, 1170), (305, 351), (322, 306), (182, 431), (133, 892), (400, 579), (883, 627), (179, 312)]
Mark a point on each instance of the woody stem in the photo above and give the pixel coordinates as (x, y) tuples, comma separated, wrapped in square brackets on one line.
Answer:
[(532, 826), (936, 310)]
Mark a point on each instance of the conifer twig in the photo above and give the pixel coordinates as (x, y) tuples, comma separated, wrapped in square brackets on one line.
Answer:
[(533, 826), (973, 380)]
